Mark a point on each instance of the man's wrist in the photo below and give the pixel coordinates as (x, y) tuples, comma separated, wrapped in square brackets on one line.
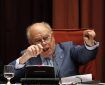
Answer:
[(96, 44), (18, 65), (24, 58), (90, 44)]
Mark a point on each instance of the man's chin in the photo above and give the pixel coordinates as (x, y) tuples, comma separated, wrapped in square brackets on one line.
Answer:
[(46, 53)]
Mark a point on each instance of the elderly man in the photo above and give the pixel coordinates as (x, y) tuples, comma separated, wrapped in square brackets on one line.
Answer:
[(65, 57)]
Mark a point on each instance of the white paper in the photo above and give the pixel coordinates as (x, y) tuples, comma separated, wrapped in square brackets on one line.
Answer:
[(76, 79)]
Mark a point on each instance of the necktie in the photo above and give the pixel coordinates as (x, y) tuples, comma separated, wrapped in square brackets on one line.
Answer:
[(49, 62)]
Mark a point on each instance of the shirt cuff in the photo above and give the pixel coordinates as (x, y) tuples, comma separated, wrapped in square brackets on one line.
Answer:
[(92, 47), (17, 65)]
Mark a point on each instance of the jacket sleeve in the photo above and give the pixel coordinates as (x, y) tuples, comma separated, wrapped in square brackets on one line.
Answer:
[(81, 54), (19, 73)]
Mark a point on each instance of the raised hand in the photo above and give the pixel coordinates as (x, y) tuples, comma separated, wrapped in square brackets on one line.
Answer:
[(89, 36), (31, 51)]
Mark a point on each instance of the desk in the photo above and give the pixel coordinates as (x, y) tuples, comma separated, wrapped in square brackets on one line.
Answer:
[(40, 81), (11, 84), (92, 84)]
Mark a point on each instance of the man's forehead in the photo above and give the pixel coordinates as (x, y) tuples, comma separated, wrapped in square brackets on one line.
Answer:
[(39, 30), (41, 35)]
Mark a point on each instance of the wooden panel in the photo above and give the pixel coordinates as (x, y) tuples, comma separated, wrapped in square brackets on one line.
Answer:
[(62, 35)]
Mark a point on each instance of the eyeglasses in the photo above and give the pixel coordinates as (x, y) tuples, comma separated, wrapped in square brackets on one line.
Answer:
[(45, 39)]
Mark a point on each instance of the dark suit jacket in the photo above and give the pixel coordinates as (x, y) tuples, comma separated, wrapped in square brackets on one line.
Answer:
[(67, 59)]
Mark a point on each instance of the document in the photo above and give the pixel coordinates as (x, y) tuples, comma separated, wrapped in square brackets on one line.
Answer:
[(76, 79)]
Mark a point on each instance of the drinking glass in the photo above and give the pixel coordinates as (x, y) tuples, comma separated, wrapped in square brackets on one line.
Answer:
[(8, 73)]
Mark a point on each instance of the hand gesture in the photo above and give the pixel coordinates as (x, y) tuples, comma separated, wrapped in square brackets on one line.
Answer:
[(89, 36), (31, 51)]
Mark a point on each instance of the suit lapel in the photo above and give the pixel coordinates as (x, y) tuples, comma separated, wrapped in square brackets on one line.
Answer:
[(58, 60)]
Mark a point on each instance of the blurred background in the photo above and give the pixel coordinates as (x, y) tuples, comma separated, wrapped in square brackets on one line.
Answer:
[(16, 15)]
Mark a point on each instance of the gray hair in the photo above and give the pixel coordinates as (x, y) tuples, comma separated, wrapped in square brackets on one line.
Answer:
[(42, 23)]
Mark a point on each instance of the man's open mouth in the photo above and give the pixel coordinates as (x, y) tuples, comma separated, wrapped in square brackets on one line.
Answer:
[(45, 49)]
